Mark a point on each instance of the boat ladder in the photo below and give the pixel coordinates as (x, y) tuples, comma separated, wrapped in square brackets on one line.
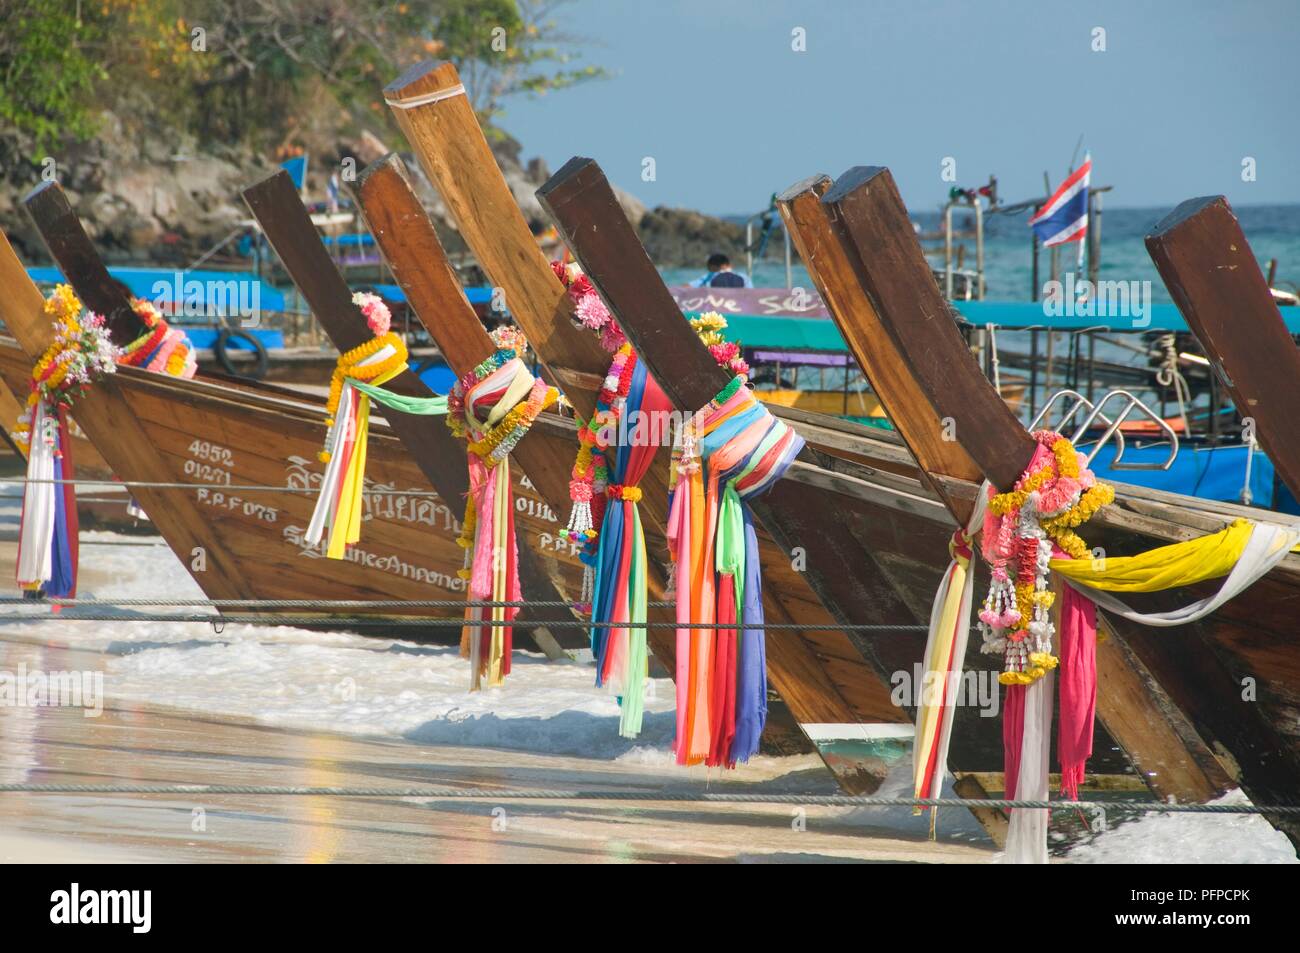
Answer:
[(1074, 402)]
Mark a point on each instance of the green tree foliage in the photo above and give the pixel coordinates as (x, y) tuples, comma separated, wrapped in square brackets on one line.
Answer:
[(245, 70), (48, 70)]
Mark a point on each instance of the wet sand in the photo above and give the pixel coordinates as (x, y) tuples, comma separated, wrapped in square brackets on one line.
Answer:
[(140, 743)]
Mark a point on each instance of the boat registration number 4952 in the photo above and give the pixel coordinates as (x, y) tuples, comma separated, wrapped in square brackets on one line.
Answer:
[(211, 453)]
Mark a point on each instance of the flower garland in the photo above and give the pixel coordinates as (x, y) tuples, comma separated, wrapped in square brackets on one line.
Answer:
[(1053, 496), (81, 353), (709, 327), (161, 349), (590, 476), (377, 315), (588, 307)]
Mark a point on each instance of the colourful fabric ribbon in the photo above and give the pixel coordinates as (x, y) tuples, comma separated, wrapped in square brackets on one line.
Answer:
[(340, 506), (945, 653), (619, 595), (493, 406), (1078, 687), (733, 450)]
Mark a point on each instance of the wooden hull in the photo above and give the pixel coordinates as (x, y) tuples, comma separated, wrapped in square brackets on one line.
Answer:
[(218, 434)]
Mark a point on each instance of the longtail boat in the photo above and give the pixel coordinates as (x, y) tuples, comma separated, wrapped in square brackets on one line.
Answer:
[(249, 545), (1178, 707)]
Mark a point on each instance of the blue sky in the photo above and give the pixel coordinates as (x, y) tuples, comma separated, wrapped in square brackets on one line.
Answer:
[(713, 91)]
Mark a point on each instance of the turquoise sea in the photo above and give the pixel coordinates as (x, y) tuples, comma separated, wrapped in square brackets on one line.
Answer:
[(1272, 230)]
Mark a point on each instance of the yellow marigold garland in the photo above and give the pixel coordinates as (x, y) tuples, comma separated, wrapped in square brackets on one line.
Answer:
[(351, 365), (1015, 619), (80, 353)]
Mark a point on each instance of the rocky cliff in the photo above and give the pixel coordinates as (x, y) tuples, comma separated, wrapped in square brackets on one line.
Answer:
[(146, 201)]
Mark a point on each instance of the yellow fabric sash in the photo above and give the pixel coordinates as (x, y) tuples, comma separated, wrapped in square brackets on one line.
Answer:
[(1166, 567), (346, 527)]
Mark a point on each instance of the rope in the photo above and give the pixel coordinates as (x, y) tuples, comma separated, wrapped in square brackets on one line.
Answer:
[(1246, 496), (434, 97), (684, 797), (1168, 374), (993, 354)]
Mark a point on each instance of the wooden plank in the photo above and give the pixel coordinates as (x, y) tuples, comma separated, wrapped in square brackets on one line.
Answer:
[(1212, 275), (441, 456), (809, 222), (896, 279)]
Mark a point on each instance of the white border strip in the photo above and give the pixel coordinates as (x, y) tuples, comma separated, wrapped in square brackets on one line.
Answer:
[(434, 97), (857, 731)]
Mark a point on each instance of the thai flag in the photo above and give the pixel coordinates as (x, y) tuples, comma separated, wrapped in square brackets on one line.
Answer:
[(1064, 218)]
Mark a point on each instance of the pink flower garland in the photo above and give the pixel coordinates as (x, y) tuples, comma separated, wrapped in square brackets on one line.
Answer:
[(378, 317), (588, 307)]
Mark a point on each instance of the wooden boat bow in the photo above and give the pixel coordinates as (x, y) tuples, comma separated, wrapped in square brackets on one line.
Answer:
[(1206, 263), (1165, 701)]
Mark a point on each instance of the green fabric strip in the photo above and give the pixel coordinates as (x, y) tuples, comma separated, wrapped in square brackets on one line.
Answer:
[(730, 542), (423, 406)]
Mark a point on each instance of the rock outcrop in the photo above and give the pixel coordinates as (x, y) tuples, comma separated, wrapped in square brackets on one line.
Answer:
[(148, 202)]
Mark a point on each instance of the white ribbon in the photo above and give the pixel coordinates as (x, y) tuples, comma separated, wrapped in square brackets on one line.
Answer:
[(1027, 835), (36, 537)]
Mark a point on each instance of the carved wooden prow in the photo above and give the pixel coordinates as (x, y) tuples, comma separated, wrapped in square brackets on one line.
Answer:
[(897, 307), (1212, 275), (70, 246), (104, 413), (448, 141), (903, 294), (818, 236)]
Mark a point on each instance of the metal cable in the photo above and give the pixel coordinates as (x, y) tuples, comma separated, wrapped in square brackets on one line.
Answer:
[(715, 797), (308, 621), (311, 603), (154, 485)]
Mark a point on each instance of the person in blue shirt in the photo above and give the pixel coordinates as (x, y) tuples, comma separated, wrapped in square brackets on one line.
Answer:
[(721, 274)]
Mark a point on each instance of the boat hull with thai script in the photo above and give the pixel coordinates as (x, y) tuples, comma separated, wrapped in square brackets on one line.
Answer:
[(248, 544)]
